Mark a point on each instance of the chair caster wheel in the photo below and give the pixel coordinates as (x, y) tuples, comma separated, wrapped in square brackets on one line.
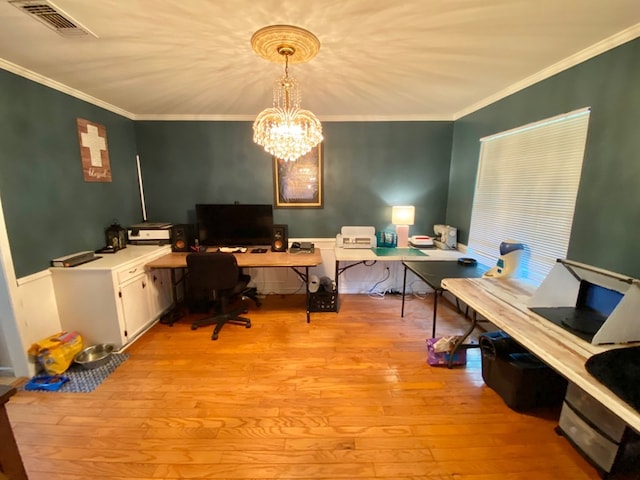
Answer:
[(245, 311), (248, 325), (194, 327), (214, 336)]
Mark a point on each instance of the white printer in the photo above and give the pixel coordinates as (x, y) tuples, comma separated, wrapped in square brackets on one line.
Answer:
[(150, 233), (356, 237)]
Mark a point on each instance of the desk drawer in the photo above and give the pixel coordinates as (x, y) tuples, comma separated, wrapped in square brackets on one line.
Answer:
[(589, 441), (596, 413), (127, 274)]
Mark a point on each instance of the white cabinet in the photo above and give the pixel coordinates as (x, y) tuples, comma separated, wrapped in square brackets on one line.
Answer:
[(115, 298), (136, 308), (160, 290)]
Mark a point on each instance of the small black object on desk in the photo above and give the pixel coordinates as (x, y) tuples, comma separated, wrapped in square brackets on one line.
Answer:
[(469, 262), (302, 247)]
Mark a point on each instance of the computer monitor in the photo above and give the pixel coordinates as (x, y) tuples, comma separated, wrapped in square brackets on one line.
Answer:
[(234, 224)]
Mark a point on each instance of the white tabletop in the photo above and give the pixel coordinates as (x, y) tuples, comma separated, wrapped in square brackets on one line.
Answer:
[(121, 258), (503, 302), (367, 254)]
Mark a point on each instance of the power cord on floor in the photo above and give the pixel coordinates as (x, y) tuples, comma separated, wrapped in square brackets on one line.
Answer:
[(373, 293)]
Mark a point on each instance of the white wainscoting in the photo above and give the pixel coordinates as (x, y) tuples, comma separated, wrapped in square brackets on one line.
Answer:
[(36, 312)]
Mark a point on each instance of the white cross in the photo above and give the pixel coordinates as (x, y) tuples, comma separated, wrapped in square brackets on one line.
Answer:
[(95, 143)]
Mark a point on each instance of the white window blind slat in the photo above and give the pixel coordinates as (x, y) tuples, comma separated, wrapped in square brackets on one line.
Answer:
[(526, 191)]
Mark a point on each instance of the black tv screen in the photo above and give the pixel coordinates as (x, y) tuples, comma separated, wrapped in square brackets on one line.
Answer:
[(234, 224)]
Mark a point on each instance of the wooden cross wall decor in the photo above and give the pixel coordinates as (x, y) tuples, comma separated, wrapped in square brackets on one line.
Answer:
[(94, 151)]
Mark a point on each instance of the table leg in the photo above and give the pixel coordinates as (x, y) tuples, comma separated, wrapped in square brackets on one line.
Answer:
[(435, 310), (174, 313), (404, 286), (305, 278), (462, 338), (308, 294)]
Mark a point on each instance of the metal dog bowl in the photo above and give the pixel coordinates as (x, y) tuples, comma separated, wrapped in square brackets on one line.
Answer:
[(95, 356)]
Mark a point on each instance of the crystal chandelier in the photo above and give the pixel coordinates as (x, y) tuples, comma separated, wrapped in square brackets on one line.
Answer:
[(286, 131)]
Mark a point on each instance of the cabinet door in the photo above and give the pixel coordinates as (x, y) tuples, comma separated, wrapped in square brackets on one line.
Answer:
[(135, 305), (159, 291)]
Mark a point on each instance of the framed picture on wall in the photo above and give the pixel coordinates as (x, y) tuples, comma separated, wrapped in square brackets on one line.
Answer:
[(94, 152), (299, 183)]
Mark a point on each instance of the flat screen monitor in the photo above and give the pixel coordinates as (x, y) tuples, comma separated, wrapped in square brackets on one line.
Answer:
[(234, 224)]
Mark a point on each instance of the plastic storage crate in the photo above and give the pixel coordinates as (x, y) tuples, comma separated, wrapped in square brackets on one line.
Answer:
[(322, 301), (520, 378)]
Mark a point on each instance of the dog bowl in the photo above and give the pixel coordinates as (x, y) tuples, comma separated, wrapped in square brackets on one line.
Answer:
[(95, 356)]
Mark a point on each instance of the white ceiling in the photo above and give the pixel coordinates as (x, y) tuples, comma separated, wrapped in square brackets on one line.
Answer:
[(378, 60)]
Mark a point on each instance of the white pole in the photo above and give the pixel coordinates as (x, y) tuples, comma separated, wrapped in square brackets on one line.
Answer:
[(144, 208)]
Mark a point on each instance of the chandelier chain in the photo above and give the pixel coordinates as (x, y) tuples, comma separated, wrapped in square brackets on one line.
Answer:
[(286, 65)]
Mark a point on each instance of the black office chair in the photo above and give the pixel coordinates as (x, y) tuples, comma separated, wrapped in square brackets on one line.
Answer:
[(214, 279)]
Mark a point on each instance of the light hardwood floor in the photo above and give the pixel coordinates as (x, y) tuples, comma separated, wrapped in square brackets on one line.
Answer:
[(348, 396)]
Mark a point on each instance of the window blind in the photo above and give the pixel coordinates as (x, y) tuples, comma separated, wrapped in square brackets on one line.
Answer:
[(526, 190)]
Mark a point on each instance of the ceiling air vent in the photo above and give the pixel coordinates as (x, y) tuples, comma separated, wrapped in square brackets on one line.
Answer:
[(52, 16)]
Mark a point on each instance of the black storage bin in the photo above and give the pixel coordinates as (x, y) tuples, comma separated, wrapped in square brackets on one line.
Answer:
[(519, 377), (326, 298), (321, 301)]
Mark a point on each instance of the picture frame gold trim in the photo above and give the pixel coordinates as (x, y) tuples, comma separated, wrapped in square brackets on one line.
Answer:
[(299, 184)]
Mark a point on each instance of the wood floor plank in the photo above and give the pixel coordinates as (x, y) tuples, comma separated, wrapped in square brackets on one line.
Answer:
[(347, 396)]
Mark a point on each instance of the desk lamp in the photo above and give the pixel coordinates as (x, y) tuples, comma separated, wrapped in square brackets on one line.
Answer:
[(402, 217)]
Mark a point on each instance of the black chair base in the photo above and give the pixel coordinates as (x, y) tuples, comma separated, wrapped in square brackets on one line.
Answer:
[(252, 294), (235, 320), (221, 319)]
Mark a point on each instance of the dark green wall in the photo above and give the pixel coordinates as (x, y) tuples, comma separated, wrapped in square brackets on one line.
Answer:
[(49, 209), (368, 167), (607, 215)]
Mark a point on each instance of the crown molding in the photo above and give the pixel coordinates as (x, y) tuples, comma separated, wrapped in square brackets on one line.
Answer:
[(607, 44), (47, 82), (323, 119)]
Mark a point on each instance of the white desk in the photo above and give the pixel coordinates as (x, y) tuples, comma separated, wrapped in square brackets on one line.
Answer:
[(503, 303), (347, 258), (361, 255)]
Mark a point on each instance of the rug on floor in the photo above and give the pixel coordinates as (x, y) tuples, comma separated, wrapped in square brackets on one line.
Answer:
[(83, 380)]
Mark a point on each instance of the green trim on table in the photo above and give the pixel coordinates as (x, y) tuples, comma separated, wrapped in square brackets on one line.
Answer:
[(398, 252)]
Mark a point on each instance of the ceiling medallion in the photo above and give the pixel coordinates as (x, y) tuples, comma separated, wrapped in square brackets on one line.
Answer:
[(266, 42)]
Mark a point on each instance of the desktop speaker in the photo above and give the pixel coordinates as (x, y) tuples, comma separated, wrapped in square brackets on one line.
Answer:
[(279, 238), (182, 237)]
